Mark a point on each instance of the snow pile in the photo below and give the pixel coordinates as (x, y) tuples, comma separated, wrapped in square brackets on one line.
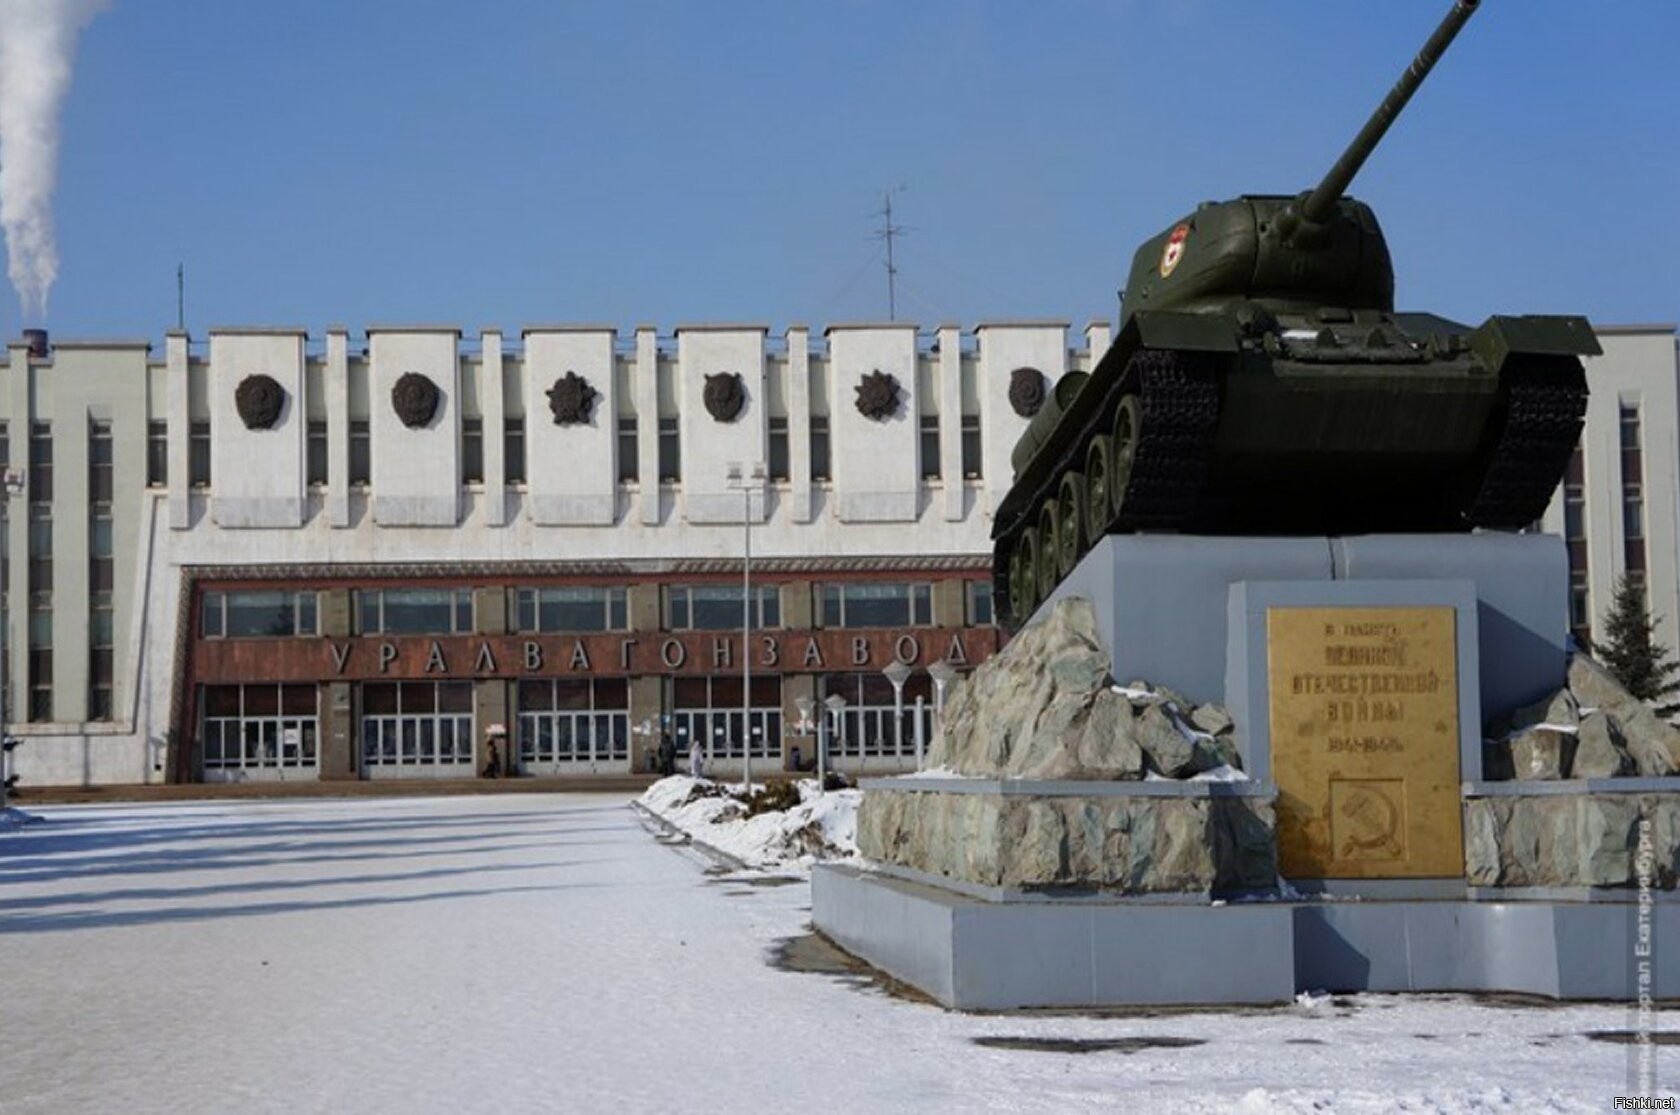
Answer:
[(821, 826)]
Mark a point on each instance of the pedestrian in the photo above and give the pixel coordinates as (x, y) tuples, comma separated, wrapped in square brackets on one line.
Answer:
[(696, 760), (667, 754)]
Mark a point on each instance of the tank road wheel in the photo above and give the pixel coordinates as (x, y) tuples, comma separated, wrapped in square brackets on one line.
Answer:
[(1070, 522), (1023, 577), (1099, 469), (1128, 428), (1049, 543)]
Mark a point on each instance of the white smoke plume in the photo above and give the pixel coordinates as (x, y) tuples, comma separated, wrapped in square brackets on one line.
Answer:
[(37, 41)]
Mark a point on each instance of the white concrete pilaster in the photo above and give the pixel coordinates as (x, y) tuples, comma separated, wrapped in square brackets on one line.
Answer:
[(180, 432), (493, 420), (335, 381), (799, 421)]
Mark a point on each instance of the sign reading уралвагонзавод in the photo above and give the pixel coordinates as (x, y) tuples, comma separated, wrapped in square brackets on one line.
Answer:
[(366, 657), (1365, 742)]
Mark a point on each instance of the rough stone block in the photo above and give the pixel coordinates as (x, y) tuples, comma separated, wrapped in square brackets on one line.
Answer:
[(1541, 754), (1169, 750), (1482, 830), (1607, 832), (1598, 750), (1127, 844)]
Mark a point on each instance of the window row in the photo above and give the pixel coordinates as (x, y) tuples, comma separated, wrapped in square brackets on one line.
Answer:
[(360, 459), (559, 722), (255, 613)]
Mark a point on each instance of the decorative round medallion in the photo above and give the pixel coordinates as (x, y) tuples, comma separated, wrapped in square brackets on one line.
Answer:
[(725, 396), (259, 399), (571, 399), (415, 399), (877, 395), (1026, 391)]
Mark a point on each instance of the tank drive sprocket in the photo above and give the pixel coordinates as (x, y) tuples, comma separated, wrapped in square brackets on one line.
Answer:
[(1543, 416)]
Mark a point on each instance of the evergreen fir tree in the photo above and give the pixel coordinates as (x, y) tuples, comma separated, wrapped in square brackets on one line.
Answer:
[(1645, 668)]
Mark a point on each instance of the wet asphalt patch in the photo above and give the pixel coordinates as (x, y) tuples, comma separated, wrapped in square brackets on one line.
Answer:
[(1128, 1045), (1634, 1037)]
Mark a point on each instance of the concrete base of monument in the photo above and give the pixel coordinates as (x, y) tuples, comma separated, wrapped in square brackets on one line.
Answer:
[(1562, 950), (972, 954)]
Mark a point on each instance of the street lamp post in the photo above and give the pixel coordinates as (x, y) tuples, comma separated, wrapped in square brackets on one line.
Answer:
[(921, 732), (897, 672), (13, 481), (836, 705), (745, 479), (803, 728), (942, 673)]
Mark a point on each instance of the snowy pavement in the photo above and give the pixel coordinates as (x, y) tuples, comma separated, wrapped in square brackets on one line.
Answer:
[(547, 953)]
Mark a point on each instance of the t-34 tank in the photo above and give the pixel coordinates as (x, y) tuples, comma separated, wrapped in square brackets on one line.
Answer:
[(1261, 382)]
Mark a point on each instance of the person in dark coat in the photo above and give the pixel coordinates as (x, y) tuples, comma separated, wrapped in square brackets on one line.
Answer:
[(667, 755)]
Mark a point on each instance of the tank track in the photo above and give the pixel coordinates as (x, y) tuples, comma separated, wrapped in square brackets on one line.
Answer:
[(1179, 397), (1179, 393), (1546, 405)]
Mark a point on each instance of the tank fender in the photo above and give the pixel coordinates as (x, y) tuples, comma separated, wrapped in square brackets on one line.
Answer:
[(1174, 329), (1539, 334)]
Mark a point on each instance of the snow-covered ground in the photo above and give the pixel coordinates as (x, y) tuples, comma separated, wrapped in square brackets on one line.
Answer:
[(821, 826), (550, 953)]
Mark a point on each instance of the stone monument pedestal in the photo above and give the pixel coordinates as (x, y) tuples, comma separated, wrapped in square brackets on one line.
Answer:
[(1358, 673)]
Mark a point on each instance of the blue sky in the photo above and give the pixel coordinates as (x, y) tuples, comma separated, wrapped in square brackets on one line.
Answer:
[(511, 164)]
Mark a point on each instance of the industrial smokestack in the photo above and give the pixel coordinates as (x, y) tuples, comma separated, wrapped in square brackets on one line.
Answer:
[(37, 41), (36, 339)]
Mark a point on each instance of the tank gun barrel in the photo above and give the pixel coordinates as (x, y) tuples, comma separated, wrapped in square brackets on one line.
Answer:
[(1322, 200)]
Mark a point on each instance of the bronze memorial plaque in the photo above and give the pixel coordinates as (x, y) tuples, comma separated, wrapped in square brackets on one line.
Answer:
[(1364, 714)]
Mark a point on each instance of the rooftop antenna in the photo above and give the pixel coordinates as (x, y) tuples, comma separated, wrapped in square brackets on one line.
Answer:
[(887, 232), (181, 297)]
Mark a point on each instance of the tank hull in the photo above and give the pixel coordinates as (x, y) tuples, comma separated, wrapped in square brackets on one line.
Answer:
[(1372, 423)]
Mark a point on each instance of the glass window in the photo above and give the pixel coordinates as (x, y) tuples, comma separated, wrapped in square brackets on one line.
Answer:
[(877, 605), (718, 607), (361, 452), (980, 603), (198, 455), (316, 454), (513, 445), (629, 462), (1574, 515), (971, 446), (260, 613), (157, 454), (930, 447), (472, 450), (210, 622), (778, 449), (1629, 426), (572, 608), (573, 721), (257, 614), (40, 462), (1633, 512), (40, 547), (670, 450), (414, 611), (99, 462)]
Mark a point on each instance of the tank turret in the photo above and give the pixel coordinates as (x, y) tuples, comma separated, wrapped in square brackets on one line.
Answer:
[(1261, 382)]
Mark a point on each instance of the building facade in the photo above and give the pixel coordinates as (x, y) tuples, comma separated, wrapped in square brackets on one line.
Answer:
[(266, 555), (1617, 507), (405, 553)]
